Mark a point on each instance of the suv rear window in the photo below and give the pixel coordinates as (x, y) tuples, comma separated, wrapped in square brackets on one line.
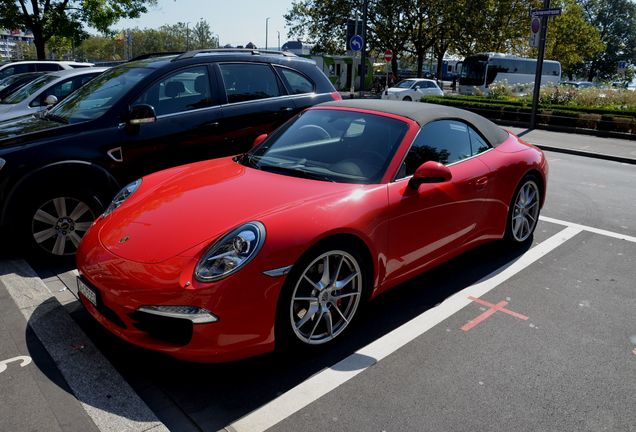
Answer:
[(296, 82), (245, 82)]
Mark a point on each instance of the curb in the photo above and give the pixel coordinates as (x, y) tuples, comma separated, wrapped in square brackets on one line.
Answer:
[(106, 397), (587, 154)]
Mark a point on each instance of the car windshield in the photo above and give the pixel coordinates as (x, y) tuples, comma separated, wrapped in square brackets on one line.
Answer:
[(24, 92), (6, 82), (98, 95), (331, 145), (405, 84)]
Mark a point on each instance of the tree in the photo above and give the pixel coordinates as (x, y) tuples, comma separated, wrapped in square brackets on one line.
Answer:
[(616, 23), (492, 26), (66, 18), (201, 37), (571, 39), (322, 22)]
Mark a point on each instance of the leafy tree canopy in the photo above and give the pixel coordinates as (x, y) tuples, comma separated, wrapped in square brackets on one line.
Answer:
[(66, 18)]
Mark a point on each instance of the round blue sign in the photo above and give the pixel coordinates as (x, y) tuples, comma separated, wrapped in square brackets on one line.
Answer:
[(356, 43)]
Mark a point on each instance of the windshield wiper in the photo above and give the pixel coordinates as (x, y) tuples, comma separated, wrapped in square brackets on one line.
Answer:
[(56, 118), (296, 172)]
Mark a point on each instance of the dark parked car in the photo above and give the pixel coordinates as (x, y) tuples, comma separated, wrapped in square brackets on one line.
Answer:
[(13, 82), (60, 169)]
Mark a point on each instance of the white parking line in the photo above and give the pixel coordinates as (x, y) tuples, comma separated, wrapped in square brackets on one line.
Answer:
[(589, 228), (106, 397), (332, 377)]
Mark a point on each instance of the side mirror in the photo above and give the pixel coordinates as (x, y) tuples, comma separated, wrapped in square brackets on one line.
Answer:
[(430, 172), (417, 87), (141, 114), (259, 139), (50, 100)]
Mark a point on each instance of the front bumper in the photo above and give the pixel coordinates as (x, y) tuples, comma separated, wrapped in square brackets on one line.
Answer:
[(244, 304)]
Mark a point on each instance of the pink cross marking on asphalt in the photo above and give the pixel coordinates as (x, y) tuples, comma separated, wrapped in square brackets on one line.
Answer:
[(493, 308)]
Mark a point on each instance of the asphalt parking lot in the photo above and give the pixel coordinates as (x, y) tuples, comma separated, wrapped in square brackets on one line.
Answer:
[(497, 340)]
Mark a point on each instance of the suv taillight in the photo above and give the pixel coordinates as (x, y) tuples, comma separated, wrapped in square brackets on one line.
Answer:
[(336, 96)]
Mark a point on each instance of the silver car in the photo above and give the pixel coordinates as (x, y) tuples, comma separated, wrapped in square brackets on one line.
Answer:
[(45, 91)]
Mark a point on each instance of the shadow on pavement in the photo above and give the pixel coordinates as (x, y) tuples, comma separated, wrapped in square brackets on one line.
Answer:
[(188, 396)]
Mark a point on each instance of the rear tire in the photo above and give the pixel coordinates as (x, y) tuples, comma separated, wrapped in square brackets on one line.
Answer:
[(523, 214), (407, 99)]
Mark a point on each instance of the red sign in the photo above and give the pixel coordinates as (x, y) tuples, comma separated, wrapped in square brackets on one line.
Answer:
[(388, 55)]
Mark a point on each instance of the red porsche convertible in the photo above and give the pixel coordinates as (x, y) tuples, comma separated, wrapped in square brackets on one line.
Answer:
[(224, 259)]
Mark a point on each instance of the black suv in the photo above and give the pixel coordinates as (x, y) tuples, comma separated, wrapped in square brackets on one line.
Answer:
[(59, 170)]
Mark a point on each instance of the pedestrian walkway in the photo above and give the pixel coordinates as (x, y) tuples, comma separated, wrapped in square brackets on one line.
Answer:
[(620, 150)]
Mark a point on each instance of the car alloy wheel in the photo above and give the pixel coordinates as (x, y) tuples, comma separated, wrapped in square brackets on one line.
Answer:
[(525, 211), (59, 224), (326, 297)]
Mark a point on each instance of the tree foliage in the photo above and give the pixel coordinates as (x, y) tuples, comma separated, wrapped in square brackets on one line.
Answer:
[(571, 39), (590, 35), (616, 23), (174, 37), (66, 18)]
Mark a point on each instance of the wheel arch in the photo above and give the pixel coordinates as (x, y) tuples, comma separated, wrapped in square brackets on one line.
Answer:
[(540, 179), (90, 174)]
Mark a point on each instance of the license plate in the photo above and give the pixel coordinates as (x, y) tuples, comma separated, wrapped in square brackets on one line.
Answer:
[(88, 293)]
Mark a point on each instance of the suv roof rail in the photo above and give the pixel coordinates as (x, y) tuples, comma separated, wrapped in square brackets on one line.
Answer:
[(193, 53), (155, 54)]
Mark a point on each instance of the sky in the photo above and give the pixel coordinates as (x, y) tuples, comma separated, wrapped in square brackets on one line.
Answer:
[(236, 22)]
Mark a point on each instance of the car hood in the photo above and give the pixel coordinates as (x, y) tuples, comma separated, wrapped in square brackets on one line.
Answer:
[(16, 131), (4, 108), (201, 203)]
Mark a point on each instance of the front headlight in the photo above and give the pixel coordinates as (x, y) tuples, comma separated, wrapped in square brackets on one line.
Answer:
[(231, 252), (2, 162), (122, 196)]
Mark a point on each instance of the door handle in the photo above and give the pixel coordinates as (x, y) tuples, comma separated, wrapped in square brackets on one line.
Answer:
[(481, 183), (210, 125), (286, 109)]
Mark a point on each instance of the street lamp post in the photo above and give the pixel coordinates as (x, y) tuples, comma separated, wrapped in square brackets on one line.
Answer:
[(278, 39), (266, 30), (187, 36)]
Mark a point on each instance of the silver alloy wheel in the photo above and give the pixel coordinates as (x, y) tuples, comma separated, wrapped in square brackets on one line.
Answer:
[(326, 297), (59, 224), (525, 212)]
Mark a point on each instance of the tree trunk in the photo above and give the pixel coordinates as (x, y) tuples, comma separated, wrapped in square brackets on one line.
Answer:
[(39, 42), (440, 66), (420, 62)]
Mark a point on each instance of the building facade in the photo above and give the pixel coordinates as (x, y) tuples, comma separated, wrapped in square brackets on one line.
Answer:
[(11, 43)]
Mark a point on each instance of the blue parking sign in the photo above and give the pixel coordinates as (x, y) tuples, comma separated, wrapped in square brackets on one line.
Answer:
[(356, 43)]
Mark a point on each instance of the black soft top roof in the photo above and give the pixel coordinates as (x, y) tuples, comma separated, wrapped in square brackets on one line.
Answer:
[(423, 113)]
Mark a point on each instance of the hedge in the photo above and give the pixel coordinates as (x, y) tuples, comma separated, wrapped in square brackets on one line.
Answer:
[(605, 120)]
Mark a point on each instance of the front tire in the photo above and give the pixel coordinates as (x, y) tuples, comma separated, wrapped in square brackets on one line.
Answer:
[(52, 224), (407, 99), (321, 296), (523, 214)]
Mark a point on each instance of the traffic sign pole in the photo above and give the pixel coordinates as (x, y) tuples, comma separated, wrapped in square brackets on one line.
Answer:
[(363, 54), (539, 71)]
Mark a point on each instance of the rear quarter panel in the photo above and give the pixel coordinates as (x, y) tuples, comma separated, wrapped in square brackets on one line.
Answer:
[(510, 162)]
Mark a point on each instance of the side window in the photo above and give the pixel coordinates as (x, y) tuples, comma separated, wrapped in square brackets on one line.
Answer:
[(8, 71), (477, 143), (444, 141), (297, 83), (60, 91), (249, 81), (181, 91), (48, 67)]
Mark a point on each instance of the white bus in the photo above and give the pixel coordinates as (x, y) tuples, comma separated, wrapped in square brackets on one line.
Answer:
[(481, 70)]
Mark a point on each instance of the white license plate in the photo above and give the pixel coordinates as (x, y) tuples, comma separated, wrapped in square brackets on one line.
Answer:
[(87, 292)]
